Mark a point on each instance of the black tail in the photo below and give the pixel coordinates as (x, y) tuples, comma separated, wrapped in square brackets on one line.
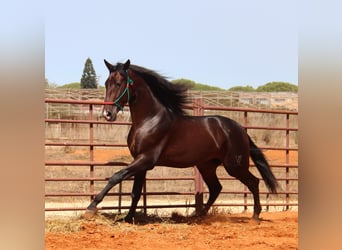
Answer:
[(263, 167)]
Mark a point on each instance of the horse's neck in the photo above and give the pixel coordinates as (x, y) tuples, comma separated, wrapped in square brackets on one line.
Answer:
[(145, 106)]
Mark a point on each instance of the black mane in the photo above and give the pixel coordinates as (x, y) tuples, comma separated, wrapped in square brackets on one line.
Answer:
[(172, 96)]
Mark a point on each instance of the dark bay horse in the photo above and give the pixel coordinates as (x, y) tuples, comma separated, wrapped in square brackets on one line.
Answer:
[(162, 134)]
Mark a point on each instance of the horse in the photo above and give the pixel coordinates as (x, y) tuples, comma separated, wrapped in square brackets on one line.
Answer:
[(163, 134)]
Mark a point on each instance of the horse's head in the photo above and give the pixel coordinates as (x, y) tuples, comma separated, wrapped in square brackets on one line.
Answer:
[(117, 89)]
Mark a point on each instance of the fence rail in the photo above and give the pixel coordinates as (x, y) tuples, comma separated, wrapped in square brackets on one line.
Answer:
[(289, 192)]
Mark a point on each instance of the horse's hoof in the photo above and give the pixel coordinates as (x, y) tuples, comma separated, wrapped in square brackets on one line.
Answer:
[(255, 220), (128, 219), (199, 214), (89, 214)]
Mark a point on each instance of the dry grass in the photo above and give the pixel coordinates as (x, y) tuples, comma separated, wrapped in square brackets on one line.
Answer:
[(76, 224)]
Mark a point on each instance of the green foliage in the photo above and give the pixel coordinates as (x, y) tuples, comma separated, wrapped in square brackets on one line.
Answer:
[(72, 85), (204, 87), (186, 82), (242, 88), (75, 85), (278, 87), (268, 87), (191, 85), (88, 80)]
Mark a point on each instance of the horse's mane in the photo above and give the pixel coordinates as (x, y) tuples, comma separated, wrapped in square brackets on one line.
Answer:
[(172, 96)]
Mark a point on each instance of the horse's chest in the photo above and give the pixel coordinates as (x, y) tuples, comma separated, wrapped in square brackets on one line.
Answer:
[(146, 136), (134, 142)]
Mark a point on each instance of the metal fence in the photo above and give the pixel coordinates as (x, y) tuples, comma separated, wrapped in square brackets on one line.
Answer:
[(87, 114)]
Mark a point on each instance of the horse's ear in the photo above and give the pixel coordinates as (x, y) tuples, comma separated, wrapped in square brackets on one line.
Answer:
[(109, 66), (126, 65)]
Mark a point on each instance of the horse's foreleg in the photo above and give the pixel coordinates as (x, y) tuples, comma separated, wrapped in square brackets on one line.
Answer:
[(115, 179), (140, 165), (136, 193)]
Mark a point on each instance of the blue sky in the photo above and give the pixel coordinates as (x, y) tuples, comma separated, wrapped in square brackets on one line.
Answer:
[(220, 43)]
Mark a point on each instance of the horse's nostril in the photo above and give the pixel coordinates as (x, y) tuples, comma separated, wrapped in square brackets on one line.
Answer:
[(107, 114)]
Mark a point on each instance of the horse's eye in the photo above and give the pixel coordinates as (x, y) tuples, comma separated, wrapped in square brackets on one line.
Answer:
[(117, 84)]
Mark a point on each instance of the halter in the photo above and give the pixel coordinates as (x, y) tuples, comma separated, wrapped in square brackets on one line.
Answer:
[(126, 90)]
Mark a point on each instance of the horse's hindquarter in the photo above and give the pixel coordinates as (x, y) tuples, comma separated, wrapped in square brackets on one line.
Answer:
[(195, 140)]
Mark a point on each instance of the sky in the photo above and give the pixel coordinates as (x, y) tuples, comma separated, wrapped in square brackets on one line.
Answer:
[(216, 42)]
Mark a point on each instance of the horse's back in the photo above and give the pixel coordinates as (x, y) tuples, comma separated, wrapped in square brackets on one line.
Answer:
[(218, 127), (195, 139)]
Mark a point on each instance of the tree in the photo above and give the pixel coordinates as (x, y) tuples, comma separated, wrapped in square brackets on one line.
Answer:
[(242, 88), (278, 87), (192, 85), (186, 82), (88, 80)]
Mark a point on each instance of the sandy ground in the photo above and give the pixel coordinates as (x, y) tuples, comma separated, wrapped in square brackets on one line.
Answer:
[(277, 230)]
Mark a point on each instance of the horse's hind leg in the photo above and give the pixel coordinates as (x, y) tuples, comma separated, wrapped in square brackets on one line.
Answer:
[(242, 173), (136, 193), (208, 172)]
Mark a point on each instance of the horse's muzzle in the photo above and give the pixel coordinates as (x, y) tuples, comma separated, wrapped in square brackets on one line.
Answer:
[(109, 116)]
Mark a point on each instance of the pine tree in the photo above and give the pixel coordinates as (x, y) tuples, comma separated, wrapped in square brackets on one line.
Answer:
[(88, 80)]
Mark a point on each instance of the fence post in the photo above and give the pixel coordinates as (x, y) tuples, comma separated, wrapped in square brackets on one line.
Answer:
[(145, 197), (287, 160), (91, 150), (245, 123), (199, 189)]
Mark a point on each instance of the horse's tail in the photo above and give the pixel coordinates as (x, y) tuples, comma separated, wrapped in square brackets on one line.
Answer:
[(263, 167)]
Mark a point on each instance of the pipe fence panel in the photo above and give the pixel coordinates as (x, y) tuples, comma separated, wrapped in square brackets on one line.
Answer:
[(83, 151)]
